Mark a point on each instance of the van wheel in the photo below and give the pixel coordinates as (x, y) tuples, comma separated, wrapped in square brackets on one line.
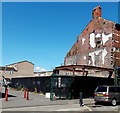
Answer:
[(114, 103)]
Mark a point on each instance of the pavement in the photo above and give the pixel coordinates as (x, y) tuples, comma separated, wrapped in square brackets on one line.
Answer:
[(37, 102)]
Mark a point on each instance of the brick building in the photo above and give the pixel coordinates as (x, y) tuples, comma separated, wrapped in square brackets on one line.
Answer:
[(98, 46)]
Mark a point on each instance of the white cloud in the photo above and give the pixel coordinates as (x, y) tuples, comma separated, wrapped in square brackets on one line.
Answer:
[(38, 69)]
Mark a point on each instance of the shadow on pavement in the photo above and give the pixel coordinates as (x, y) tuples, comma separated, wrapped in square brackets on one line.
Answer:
[(2, 95)]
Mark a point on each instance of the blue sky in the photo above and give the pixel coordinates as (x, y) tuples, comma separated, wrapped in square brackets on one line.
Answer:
[(43, 32)]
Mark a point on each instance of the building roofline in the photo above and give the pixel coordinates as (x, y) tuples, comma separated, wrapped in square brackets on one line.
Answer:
[(96, 19), (7, 68), (19, 62), (42, 71), (83, 67), (108, 20)]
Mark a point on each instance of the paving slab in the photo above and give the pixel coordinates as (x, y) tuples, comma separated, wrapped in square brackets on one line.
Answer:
[(37, 102), (40, 103)]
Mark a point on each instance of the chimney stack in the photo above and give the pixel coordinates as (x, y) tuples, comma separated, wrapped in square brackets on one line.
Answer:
[(96, 12)]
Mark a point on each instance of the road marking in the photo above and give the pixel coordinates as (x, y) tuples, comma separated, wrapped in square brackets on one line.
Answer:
[(88, 108), (70, 109), (40, 108), (75, 109)]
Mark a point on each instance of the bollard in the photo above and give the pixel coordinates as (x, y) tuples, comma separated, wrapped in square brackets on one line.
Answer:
[(5, 89), (6, 95), (27, 95), (80, 99)]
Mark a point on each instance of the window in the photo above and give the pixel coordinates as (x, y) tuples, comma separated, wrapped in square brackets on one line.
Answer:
[(11, 72), (118, 89), (101, 89), (112, 89)]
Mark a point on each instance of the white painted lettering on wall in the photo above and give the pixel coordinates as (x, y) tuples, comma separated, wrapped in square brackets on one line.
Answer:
[(84, 57), (92, 54), (83, 40), (92, 40), (93, 58), (98, 35), (104, 53), (97, 52), (105, 38)]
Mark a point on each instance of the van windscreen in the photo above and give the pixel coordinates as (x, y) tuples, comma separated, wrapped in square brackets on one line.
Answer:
[(101, 89)]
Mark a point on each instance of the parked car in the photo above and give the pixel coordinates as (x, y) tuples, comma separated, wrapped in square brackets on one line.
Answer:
[(107, 94)]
